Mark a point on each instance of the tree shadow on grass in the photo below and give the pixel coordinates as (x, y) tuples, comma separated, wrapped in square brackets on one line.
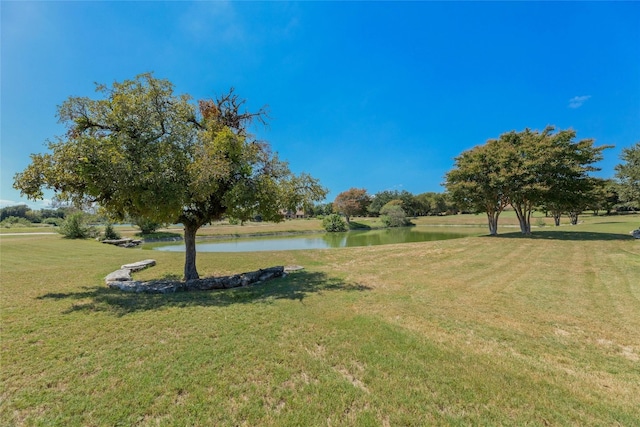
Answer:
[(358, 226), (296, 286), (567, 235)]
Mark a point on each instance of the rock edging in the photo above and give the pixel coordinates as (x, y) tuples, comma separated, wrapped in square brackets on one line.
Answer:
[(121, 279)]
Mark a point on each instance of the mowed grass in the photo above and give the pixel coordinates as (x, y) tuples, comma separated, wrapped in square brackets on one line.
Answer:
[(474, 331)]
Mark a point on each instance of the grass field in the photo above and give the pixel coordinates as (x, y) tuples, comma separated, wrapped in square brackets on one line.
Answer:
[(475, 331)]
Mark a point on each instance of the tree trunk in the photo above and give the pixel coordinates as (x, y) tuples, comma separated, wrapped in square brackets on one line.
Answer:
[(524, 218), (574, 217), (493, 223), (190, 271), (556, 218)]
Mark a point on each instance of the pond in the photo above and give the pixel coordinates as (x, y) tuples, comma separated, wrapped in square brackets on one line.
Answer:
[(315, 241)]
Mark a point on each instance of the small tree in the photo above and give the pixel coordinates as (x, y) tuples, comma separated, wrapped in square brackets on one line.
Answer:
[(352, 202), (110, 233)]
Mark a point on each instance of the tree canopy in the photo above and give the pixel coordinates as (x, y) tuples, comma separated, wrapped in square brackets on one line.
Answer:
[(524, 170), (144, 152), (478, 181), (354, 201)]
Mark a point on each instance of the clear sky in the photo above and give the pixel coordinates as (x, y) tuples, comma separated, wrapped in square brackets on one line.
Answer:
[(373, 95)]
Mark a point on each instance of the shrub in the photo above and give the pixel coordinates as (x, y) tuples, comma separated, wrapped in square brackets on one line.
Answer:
[(75, 227), (392, 215), (14, 221), (334, 223)]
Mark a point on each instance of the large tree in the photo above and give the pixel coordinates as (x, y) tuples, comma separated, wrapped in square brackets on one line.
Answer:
[(354, 201), (628, 175), (548, 167), (526, 169), (477, 182), (144, 152)]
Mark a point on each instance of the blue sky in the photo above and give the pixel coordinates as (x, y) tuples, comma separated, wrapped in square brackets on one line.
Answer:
[(373, 95)]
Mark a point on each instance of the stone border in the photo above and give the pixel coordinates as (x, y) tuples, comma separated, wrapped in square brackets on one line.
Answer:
[(121, 279)]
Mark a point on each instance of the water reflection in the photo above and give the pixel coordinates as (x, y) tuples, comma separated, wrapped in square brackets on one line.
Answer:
[(319, 241)]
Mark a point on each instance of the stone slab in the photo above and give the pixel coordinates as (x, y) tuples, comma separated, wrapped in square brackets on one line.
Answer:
[(140, 265), (122, 275)]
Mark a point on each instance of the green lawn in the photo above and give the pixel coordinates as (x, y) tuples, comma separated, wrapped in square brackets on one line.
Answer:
[(475, 331)]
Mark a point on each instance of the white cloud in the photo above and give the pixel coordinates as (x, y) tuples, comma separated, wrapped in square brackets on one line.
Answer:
[(5, 203), (577, 101)]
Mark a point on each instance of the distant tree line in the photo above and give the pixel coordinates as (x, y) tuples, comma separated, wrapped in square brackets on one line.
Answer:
[(393, 207), (23, 214), (356, 203)]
